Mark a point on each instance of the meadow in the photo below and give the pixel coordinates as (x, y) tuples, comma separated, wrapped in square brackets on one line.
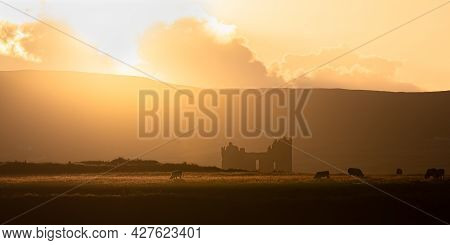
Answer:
[(222, 198)]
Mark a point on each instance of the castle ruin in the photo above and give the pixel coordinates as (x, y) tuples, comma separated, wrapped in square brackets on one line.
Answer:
[(278, 157)]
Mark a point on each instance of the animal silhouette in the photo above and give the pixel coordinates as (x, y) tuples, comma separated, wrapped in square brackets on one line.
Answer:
[(322, 174), (435, 173), (176, 174), (355, 172)]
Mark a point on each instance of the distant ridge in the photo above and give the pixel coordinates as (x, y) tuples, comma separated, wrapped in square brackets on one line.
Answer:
[(97, 167), (70, 116)]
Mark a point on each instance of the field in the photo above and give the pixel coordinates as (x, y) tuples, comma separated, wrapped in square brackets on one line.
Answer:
[(222, 198)]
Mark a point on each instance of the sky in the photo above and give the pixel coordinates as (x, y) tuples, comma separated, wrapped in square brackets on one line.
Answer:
[(229, 43)]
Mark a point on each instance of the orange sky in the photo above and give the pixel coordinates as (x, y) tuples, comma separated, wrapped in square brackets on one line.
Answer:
[(228, 43)]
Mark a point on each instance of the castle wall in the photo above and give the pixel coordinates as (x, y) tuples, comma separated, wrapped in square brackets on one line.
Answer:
[(279, 154), (266, 165)]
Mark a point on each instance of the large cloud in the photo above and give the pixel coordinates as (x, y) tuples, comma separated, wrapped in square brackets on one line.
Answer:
[(190, 51), (36, 46), (187, 51), (202, 53), (352, 71)]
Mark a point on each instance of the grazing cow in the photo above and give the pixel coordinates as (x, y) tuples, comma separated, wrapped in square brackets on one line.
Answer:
[(323, 174), (440, 174), (176, 174), (399, 171), (355, 172), (431, 172), (435, 173)]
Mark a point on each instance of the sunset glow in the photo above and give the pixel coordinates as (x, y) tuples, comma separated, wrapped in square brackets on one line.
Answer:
[(272, 42), (224, 112)]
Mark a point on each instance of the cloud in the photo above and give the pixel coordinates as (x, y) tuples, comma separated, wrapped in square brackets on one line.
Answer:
[(197, 52), (207, 53), (36, 46), (12, 39), (352, 71), (202, 53)]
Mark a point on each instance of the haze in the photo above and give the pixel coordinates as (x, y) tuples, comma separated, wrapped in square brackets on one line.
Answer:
[(244, 43)]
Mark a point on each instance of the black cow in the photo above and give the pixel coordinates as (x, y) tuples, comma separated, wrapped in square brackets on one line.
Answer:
[(431, 172), (435, 173), (176, 174), (322, 174), (355, 172), (440, 173)]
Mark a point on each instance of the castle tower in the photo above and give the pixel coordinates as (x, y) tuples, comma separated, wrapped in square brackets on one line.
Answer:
[(281, 153)]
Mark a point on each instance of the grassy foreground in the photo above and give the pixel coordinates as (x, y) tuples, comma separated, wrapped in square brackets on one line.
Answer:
[(222, 198)]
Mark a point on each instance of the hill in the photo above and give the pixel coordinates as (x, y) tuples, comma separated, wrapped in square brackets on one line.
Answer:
[(70, 116), (98, 167)]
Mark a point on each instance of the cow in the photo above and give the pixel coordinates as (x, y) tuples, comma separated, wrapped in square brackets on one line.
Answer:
[(176, 174), (440, 173), (431, 172), (399, 171), (322, 174), (355, 172), (435, 173)]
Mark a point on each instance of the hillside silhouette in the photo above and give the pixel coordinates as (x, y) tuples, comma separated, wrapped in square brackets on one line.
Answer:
[(71, 116), (90, 167)]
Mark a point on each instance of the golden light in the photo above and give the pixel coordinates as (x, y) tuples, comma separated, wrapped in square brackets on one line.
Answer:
[(11, 44), (223, 32)]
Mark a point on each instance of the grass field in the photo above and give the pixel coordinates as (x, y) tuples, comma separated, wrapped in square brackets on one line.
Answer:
[(223, 198)]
